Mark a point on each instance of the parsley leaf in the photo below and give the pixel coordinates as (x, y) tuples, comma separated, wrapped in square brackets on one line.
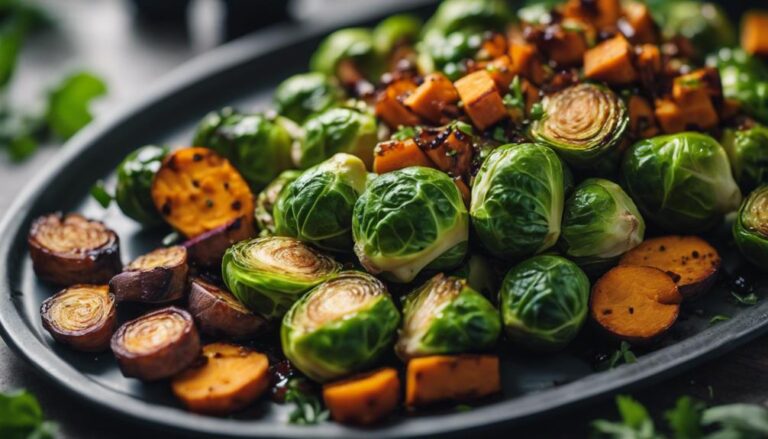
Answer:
[(308, 408), (515, 99), (404, 133), (635, 422), (21, 417), (718, 318), (685, 418), (68, 103), (738, 420), (623, 355), (100, 194), (746, 299)]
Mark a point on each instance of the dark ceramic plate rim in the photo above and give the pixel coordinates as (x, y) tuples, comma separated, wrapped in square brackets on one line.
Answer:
[(16, 331)]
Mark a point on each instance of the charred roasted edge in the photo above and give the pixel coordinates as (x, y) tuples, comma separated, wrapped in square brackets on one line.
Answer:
[(82, 316), (218, 313), (207, 249), (160, 284), (175, 344), (71, 249)]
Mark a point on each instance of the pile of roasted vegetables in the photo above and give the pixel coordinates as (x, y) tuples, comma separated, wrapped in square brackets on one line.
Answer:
[(433, 191)]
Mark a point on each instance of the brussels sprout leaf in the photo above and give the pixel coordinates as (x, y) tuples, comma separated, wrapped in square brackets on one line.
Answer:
[(68, 103), (100, 194), (309, 410), (21, 417)]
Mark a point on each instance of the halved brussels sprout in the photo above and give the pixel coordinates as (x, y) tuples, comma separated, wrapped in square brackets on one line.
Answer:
[(267, 198), (305, 94), (340, 327), (446, 316), (517, 200), (705, 24), (408, 220), (745, 79), (354, 44), (600, 223), (317, 206), (682, 182), (751, 228), (396, 30), (257, 145), (748, 153), (134, 182), (543, 302), (269, 274), (582, 123), (337, 130)]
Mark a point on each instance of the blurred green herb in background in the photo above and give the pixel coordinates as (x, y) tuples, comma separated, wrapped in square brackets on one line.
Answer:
[(67, 104), (22, 418)]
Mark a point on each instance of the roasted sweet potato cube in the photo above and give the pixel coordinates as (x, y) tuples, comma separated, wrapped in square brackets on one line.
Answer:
[(643, 28), (524, 61), (389, 106), (481, 99), (451, 378), (565, 47), (494, 46), (754, 33), (691, 93), (501, 71), (642, 122), (670, 116), (454, 155), (432, 96), (611, 62), (398, 154), (600, 13)]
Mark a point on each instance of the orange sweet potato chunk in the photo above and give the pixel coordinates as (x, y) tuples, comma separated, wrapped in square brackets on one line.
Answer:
[(611, 62), (363, 399), (389, 106), (481, 99), (451, 378), (432, 96), (754, 33)]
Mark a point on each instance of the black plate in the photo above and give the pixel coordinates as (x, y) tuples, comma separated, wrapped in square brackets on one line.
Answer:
[(244, 74)]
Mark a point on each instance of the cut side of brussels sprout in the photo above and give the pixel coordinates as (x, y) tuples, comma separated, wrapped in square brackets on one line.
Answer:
[(267, 198), (134, 184), (682, 182), (543, 302), (517, 200), (748, 153), (410, 219), (446, 316), (582, 123), (305, 94), (338, 130), (317, 206), (269, 274), (340, 327), (751, 228), (600, 223)]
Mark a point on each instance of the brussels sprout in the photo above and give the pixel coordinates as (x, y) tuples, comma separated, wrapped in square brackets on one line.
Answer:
[(446, 316), (459, 15), (748, 153), (582, 123), (267, 198), (705, 24), (751, 228), (600, 223), (134, 183), (744, 79), (337, 130), (517, 200), (354, 44), (447, 53), (340, 327), (257, 145), (305, 94), (269, 274), (395, 30), (682, 182), (480, 273), (408, 220), (317, 206), (543, 302)]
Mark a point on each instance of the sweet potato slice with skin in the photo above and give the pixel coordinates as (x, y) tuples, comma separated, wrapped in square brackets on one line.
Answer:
[(611, 62), (231, 378), (389, 106), (431, 97), (197, 190), (207, 249), (482, 100), (754, 33), (398, 154), (636, 304), (451, 378), (363, 399), (691, 262), (217, 312), (157, 277)]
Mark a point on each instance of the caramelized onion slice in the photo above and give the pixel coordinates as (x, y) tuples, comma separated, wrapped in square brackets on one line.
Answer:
[(156, 345), (82, 316), (71, 249), (157, 277), (218, 313)]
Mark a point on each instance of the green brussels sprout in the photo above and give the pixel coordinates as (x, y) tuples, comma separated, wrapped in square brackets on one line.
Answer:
[(748, 153), (338, 130), (354, 44), (257, 145), (409, 220), (600, 223), (517, 200), (267, 198), (583, 123), (459, 15), (134, 183), (751, 227), (682, 182), (447, 53), (342, 326), (480, 273), (446, 316), (269, 274), (705, 24), (305, 94), (396, 30), (543, 302), (317, 206), (744, 79)]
